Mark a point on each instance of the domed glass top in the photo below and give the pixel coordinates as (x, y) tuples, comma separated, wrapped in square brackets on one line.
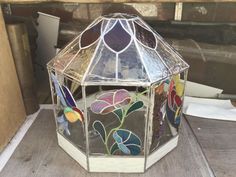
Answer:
[(118, 48)]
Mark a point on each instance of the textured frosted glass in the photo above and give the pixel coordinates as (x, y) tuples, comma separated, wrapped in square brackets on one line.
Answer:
[(79, 65), (103, 66), (153, 64), (61, 60), (130, 65), (118, 48), (173, 61)]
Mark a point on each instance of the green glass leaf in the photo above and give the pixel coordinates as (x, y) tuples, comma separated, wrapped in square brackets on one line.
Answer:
[(119, 114), (135, 106), (114, 148), (99, 127)]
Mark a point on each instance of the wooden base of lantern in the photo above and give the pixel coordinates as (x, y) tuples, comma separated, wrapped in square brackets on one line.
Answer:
[(121, 164)]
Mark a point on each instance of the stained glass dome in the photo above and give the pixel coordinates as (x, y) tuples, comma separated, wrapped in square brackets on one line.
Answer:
[(118, 48), (117, 91)]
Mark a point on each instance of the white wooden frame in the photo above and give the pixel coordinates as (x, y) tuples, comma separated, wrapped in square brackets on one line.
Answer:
[(116, 164), (73, 151), (161, 151)]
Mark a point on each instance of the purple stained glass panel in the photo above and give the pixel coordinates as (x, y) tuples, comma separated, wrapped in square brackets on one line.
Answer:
[(117, 38), (91, 35), (145, 36)]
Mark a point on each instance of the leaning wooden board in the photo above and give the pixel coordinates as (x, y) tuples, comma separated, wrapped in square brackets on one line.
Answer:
[(38, 155), (11, 103)]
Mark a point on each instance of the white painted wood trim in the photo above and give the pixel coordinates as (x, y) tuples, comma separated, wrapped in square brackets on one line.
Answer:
[(74, 152), (117, 164), (161, 152)]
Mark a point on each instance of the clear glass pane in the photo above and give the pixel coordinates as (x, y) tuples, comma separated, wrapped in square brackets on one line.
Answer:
[(175, 103), (61, 60), (131, 25), (103, 67), (104, 24), (160, 129), (130, 66), (155, 68), (117, 121), (167, 111), (126, 26), (69, 109), (110, 24), (80, 63), (169, 57)]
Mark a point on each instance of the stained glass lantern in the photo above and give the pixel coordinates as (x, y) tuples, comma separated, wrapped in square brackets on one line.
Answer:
[(117, 90)]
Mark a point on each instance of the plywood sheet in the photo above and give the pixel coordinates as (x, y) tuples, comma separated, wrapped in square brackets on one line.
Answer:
[(11, 105)]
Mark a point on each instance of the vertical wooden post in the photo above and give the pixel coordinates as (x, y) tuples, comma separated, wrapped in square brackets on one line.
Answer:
[(178, 11), (12, 111)]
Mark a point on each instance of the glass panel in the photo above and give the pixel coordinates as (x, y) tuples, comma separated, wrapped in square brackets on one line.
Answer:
[(103, 66), (146, 37), (130, 66), (64, 57), (80, 63), (117, 121), (131, 25), (154, 66), (69, 109), (110, 25), (172, 60), (174, 103), (141, 23), (126, 26), (167, 111), (160, 130), (91, 35), (104, 24), (117, 38)]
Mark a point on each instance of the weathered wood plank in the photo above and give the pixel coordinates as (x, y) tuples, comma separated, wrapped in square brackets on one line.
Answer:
[(11, 106), (218, 140), (185, 161), (109, 1), (39, 155)]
